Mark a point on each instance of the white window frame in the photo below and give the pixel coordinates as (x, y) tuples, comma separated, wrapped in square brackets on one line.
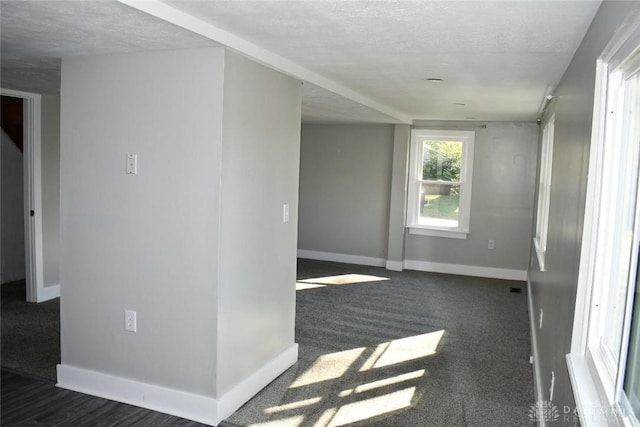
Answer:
[(544, 191), (597, 386), (467, 138)]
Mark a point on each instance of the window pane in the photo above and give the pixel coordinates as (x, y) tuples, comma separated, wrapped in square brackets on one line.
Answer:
[(544, 187), (439, 186), (624, 196), (632, 374), (439, 204), (441, 160)]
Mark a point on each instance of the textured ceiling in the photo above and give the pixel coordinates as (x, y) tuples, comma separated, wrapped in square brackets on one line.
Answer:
[(498, 58), (322, 106), (34, 35)]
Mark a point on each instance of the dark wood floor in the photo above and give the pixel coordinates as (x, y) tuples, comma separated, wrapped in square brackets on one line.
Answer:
[(27, 401)]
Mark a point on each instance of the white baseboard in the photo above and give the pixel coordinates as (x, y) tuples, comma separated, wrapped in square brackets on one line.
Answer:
[(232, 400), (395, 265), (433, 267), (466, 270), (48, 293), (194, 407), (537, 375), (345, 258), (203, 409)]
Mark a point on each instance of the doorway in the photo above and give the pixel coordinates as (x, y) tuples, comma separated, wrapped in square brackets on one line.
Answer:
[(30, 199), (12, 192), (32, 193)]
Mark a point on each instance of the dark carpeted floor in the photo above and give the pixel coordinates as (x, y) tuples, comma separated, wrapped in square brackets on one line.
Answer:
[(376, 348), (30, 333), (365, 352)]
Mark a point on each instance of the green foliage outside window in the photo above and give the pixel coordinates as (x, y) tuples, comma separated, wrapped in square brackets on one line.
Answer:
[(441, 161)]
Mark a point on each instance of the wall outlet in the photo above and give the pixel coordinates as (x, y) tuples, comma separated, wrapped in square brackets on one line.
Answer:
[(132, 164), (491, 244), (130, 321), (285, 213)]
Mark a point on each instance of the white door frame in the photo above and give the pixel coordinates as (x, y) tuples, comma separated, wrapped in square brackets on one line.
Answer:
[(32, 103)]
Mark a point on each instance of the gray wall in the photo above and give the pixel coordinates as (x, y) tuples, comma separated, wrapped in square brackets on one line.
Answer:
[(554, 290), (50, 163), (145, 242), (260, 167), (502, 200), (345, 179), (12, 223), (195, 243), (345, 194)]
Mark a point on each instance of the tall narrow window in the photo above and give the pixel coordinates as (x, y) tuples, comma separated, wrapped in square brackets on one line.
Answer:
[(544, 191), (603, 363), (440, 173), (631, 126)]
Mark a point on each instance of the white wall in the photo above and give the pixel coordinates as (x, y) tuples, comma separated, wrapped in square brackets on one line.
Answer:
[(12, 224), (145, 242), (50, 161), (260, 153), (345, 179)]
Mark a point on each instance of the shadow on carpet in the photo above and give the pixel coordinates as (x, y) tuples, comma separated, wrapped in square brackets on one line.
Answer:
[(30, 333)]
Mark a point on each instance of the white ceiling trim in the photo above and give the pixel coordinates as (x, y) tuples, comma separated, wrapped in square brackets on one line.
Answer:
[(174, 16)]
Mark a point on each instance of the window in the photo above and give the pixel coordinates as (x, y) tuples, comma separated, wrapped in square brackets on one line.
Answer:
[(439, 193), (544, 191), (604, 362)]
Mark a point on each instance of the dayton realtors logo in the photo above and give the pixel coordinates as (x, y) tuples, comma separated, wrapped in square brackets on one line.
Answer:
[(544, 411)]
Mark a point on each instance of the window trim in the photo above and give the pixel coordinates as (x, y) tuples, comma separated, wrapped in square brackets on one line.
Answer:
[(466, 179), (544, 191), (593, 387)]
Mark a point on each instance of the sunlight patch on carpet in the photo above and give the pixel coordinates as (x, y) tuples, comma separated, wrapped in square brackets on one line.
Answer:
[(293, 405), (326, 417), (376, 406), (362, 388), (302, 286), (403, 350), (343, 279), (328, 367)]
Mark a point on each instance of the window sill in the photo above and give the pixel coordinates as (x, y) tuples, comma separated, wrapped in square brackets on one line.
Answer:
[(438, 233), (590, 402)]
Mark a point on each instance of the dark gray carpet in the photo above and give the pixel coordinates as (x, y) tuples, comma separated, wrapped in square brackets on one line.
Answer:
[(479, 374), (363, 351), (30, 333)]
